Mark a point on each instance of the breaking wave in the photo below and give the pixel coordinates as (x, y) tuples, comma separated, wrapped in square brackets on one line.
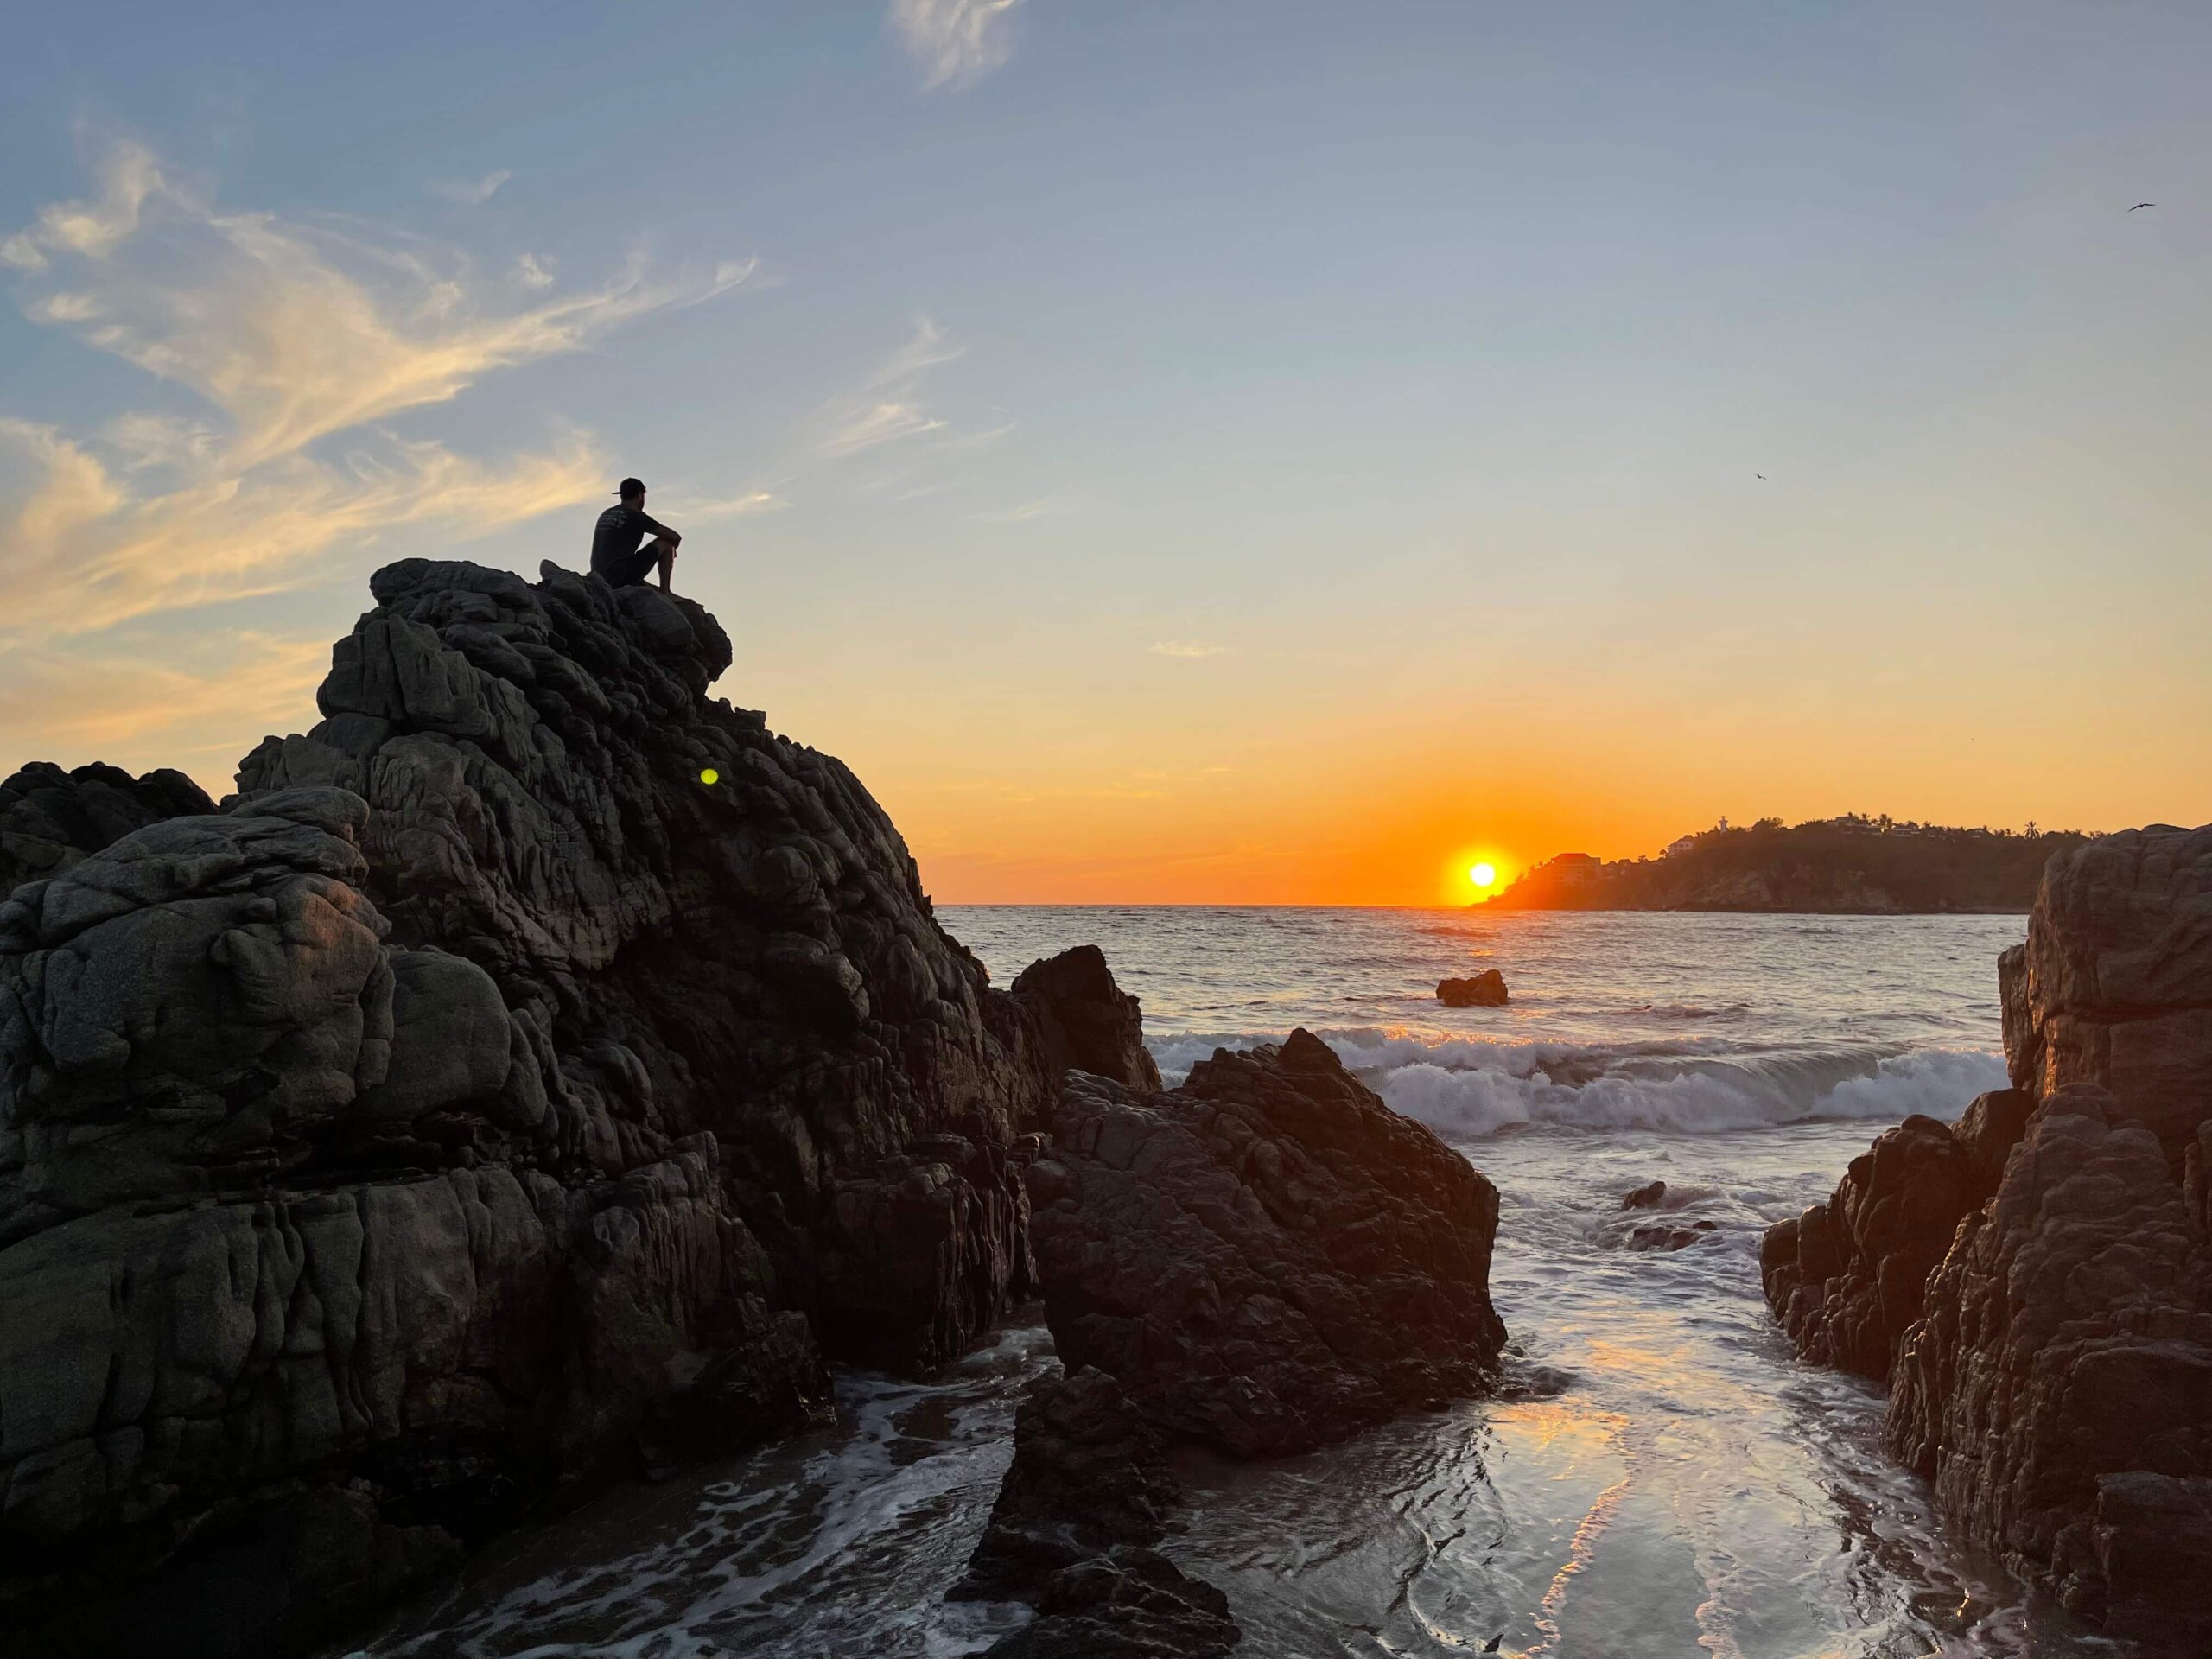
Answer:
[(1468, 1087)]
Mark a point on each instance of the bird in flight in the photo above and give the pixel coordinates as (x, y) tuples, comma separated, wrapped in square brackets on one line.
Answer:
[(2143, 204), (1758, 474)]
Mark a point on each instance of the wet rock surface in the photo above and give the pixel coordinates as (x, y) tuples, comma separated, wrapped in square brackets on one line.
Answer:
[(527, 1077), (2049, 1346), (1847, 1277), (1073, 1532), (1483, 990)]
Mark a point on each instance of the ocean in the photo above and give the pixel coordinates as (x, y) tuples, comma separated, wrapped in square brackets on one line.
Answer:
[(1659, 1477)]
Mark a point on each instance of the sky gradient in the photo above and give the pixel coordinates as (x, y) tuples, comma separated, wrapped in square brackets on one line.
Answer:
[(1236, 453)]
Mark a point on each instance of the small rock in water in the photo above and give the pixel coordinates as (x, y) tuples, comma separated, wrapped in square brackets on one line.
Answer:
[(1660, 1237), (1646, 1196), (1485, 990)]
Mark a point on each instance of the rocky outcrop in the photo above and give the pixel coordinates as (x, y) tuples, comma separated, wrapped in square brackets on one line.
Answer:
[(1847, 1277), (1484, 990), (50, 819), (2059, 1391), (2057, 1385), (1267, 1258), (528, 1077), (1073, 1533), (2113, 985)]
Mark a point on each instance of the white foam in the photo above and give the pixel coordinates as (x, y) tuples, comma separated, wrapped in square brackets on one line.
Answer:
[(1466, 1087)]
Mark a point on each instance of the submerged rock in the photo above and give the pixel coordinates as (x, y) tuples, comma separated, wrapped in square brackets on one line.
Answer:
[(526, 1079), (1484, 990), (1647, 1197)]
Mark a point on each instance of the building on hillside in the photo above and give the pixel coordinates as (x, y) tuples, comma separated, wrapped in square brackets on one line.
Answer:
[(1676, 849)]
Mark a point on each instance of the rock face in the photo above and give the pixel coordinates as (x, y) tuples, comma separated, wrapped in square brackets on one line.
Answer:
[(2059, 1391), (2114, 983), (1073, 1531), (526, 1078), (1267, 1258), (2057, 1385), (1485, 990), (1847, 1277), (50, 819)]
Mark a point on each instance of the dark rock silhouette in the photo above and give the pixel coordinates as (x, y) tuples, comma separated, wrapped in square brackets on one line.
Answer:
[(1261, 1261), (1646, 1196), (526, 1079), (1073, 1533), (1267, 1258), (1662, 1236), (1485, 990), (50, 819), (2056, 1387), (1845, 1278)]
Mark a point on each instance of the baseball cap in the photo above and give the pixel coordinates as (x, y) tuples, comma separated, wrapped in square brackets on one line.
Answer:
[(631, 486)]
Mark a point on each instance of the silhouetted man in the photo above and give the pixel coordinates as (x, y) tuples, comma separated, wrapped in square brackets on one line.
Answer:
[(615, 556)]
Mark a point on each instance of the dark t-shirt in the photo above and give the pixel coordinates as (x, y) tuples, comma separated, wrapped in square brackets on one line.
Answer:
[(616, 537)]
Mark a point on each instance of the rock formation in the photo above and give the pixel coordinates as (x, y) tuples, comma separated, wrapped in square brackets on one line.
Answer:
[(2056, 1387), (528, 1075), (50, 819), (1847, 1277), (1261, 1261), (1485, 990), (1267, 1258)]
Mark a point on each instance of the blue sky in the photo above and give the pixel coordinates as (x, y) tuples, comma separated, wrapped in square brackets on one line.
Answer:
[(1171, 450)]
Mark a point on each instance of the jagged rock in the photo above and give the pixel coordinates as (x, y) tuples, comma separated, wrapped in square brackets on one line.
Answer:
[(1073, 1530), (1485, 990), (2113, 985), (1847, 1277), (1646, 1196), (1660, 1235), (49, 818), (2058, 1392), (1267, 1258), (522, 1081), (1089, 1022)]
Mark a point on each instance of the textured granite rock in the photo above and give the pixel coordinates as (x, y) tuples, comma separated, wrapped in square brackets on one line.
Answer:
[(1847, 1277), (524, 1079), (2113, 985), (1073, 1533), (2058, 1392), (49, 818), (1484, 990), (1267, 1258)]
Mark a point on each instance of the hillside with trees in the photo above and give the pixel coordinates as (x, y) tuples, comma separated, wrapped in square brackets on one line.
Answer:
[(1850, 865)]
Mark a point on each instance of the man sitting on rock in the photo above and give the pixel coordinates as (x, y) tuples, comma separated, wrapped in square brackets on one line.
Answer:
[(616, 558)]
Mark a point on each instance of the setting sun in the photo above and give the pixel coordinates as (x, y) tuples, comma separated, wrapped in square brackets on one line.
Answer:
[(1481, 876)]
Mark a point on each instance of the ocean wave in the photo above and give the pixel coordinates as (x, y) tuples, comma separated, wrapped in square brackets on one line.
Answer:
[(1465, 1087)]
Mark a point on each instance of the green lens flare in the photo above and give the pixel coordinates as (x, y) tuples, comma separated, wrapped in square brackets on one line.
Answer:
[(709, 776)]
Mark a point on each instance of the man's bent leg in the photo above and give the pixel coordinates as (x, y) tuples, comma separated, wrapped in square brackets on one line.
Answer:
[(666, 556)]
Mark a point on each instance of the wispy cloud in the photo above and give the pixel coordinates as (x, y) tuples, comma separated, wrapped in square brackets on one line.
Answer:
[(956, 43), (293, 336), (470, 192), (889, 407), (694, 510), (534, 271), (1187, 648)]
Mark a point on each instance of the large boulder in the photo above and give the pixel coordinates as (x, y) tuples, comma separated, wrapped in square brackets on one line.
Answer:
[(2113, 985), (1267, 1258), (1847, 1277), (529, 1075), (49, 818)]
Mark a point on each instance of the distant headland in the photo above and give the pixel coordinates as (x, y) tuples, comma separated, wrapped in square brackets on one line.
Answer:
[(1853, 865)]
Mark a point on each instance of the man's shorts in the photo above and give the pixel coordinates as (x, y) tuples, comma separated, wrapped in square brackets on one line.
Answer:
[(628, 569)]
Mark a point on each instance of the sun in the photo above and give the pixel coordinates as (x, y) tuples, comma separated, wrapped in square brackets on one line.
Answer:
[(1482, 874)]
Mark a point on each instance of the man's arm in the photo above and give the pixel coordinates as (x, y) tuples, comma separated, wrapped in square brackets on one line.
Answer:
[(660, 529)]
